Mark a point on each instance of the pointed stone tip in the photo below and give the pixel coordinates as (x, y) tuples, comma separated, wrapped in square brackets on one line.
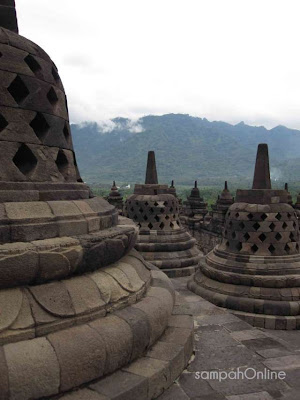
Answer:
[(286, 187), (114, 183), (225, 186), (8, 15), (151, 173), (262, 178), (196, 184)]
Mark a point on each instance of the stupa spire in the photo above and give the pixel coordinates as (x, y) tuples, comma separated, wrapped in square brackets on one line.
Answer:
[(8, 15), (225, 186), (261, 178), (196, 184), (151, 173)]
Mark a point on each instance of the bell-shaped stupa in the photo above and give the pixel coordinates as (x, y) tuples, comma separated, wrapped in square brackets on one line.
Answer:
[(255, 271), (77, 303), (162, 240), (195, 206), (114, 198)]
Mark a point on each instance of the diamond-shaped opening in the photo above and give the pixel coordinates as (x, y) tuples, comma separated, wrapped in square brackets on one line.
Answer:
[(136, 203), (171, 209), (146, 204), (225, 232), (247, 236), (1, 54), (150, 226), (165, 203), (156, 218), (25, 160), (278, 216), (18, 90), (287, 248), (256, 226), (262, 237), (171, 225), (289, 215), (167, 217), (33, 65), (151, 210), (162, 210), (230, 224), (272, 226), (3, 123), (161, 225), (40, 126), (292, 237), (156, 204), (242, 225), (237, 215), (254, 248), (52, 96), (271, 249), (62, 163), (66, 131), (239, 246), (139, 225), (55, 74), (132, 209), (294, 225), (250, 216), (297, 246), (264, 216), (284, 225), (135, 217), (278, 236), (227, 244), (145, 218), (233, 235), (141, 210)]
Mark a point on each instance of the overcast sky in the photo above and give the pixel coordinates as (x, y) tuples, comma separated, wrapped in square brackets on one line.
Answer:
[(227, 60)]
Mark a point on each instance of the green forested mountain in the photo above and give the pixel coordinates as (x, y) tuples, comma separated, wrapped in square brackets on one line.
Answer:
[(187, 148)]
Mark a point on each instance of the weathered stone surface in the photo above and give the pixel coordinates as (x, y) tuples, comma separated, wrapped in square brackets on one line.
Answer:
[(4, 384), (81, 354), (10, 306), (118, 339), (122, 386), (33, 369), (85, 394)]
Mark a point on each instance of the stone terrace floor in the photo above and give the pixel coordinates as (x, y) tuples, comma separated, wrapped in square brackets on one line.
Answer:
[(224, 342)]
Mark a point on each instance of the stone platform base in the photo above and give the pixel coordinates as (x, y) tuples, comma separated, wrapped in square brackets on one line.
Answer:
[(180, 272), (150, 375)]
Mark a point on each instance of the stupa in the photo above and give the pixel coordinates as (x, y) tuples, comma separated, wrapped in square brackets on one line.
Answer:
[(115, 198), (162, 240), (77, 303), (195, 206), (255, 271), (220, 208), (290, 199)]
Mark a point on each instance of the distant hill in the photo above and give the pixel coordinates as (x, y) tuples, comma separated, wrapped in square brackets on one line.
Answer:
[(187, 148)]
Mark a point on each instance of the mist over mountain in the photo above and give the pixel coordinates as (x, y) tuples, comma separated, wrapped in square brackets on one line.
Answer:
[(187, 148)]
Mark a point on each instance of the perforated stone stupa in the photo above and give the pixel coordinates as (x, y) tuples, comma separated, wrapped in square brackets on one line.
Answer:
[(195, 206), (162, 240), (77, 303), (115, 198), (255, 271)]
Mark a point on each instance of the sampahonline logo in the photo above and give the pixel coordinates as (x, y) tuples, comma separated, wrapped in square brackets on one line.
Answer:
[(247, 373)]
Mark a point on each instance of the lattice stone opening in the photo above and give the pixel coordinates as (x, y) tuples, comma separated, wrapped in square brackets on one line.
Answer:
[(272, 226), (262, 237), (230, 224), (171, 209), (242, 225), (1, 54), (146, 204), (132, 209), (161, 225), (40, 126), (254, 248), (141, 210), (55, 74), (135, 217), (145, 218), (278, 216), (250, 216), (247, 236), (157, 218), (264, 216), (171, 225), (156, 204), (151, 210), (18, 90), (239, 246), (52, 96), (271, 249), (167, 217), (25, 160), (33, 65), (287, 248), (284, 225), (289, 215), (237, 215), (278, 236), (292, 237), (3, 123), (150, 226), (62, 163), (256, 226), (233, 235)]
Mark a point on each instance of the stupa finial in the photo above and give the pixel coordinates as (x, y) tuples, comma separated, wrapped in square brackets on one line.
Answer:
[(261, 178), (151, 173), (8, 15), (172, 184), (196, 184), (225, 186), (286, 187)]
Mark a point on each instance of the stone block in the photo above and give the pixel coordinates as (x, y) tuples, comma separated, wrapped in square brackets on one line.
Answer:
[(30, 211), (140, 327), (110, 290), (53, 265), (85, 295), (84, 394), (10, 306), (72, 228), (122, 385), (33, 369), (118, 339), (4, 384), (157, 372), (81, 355)]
